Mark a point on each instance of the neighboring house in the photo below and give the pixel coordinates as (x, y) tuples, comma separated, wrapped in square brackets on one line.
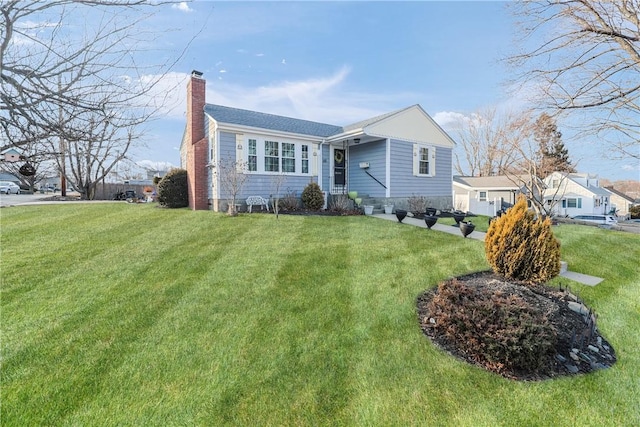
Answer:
[(575, 194), (620, 202), (10, 155), (388, 158), (6, 176), (485, 195)]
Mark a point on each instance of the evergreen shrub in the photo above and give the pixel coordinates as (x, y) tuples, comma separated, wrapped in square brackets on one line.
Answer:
[(312, 197), (173, 189), (522, 248)]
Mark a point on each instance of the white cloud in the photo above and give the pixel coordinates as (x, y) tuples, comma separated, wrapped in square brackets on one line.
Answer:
[(321, 99), (169, 94), (183, 6), (450, 119), (222, 71), (152, 165)]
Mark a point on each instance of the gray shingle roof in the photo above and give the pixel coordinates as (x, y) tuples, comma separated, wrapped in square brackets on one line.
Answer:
[(255, 119), (500, 181)]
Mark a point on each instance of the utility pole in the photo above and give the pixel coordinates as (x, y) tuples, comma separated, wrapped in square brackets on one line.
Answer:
[(63, 157)]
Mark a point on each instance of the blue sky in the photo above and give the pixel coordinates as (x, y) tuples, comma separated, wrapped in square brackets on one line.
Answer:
[(341, 62)]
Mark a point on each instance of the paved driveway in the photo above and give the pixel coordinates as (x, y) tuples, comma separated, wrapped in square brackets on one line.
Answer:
[(18, 199)]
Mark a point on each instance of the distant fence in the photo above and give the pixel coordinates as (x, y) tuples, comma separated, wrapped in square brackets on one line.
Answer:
[(108, 191)]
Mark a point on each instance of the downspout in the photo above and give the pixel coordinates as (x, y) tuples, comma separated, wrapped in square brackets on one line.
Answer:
[(387, 178), (319, 163)]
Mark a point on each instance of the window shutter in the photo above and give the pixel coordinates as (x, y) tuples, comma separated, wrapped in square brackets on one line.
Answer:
[(416, 160), (239, 154), (579, 203), (314, 159), (432, 161)]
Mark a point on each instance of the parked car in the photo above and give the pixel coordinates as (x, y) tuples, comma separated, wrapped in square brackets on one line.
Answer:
[(8, 187), (598, 219)]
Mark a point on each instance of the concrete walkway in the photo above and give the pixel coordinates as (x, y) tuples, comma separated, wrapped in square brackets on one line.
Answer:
[(479, 235)]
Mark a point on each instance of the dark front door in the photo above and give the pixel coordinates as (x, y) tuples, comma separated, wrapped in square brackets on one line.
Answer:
[(339, 167)]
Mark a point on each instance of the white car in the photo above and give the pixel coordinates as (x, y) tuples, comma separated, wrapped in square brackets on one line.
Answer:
[(598, 219), (8, 187)]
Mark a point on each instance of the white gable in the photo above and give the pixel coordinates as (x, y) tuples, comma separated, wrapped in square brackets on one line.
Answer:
[(412, 124)]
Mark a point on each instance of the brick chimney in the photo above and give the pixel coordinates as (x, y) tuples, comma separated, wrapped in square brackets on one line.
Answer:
[(197, 145)]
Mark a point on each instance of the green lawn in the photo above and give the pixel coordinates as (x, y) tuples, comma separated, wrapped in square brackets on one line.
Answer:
[(123, 314)]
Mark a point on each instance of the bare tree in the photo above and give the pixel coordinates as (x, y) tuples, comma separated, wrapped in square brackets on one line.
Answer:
[(83, 89), (90, 155), (528, 173), (41, 165), (486, 141), (277, 181), (232, 177), (585, 58)]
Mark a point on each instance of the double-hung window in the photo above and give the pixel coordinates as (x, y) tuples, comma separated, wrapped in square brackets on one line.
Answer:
[(252, 161), (288, 157), (271, 156), (483, 196), (305, 159), (423, 160)]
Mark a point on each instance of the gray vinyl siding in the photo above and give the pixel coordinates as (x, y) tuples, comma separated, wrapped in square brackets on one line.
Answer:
[(265, 186), (259, 184), (325, 149), (374, 153), (405, 184), (227, 146)]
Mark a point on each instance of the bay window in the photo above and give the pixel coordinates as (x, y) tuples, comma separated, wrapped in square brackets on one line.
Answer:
[(273, 156)]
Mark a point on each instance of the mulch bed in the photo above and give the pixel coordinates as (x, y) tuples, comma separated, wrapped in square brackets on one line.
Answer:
[(593, 355), (326, 212)]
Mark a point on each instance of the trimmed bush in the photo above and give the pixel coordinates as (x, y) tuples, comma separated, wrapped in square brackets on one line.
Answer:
[(173, 189), (312, 197), (499, 330), (634, 211), (522, 248), (290, 201), (417, 205)]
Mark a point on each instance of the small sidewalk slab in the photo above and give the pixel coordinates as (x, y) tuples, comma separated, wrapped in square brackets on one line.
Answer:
[(582, 278), (479, 235)]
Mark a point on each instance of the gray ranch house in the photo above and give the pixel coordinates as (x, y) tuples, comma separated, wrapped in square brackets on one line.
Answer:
[(386, 159)]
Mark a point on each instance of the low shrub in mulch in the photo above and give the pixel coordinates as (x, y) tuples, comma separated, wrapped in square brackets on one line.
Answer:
[(520, 331)]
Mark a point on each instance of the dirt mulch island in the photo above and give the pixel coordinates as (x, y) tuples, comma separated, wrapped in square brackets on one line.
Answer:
[(518, 331)]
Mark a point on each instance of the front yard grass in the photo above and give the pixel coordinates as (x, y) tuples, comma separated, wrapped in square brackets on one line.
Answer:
[(123, 314)]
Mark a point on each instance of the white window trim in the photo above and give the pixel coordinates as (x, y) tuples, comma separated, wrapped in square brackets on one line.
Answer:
[(431, 154), (260, 154)]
